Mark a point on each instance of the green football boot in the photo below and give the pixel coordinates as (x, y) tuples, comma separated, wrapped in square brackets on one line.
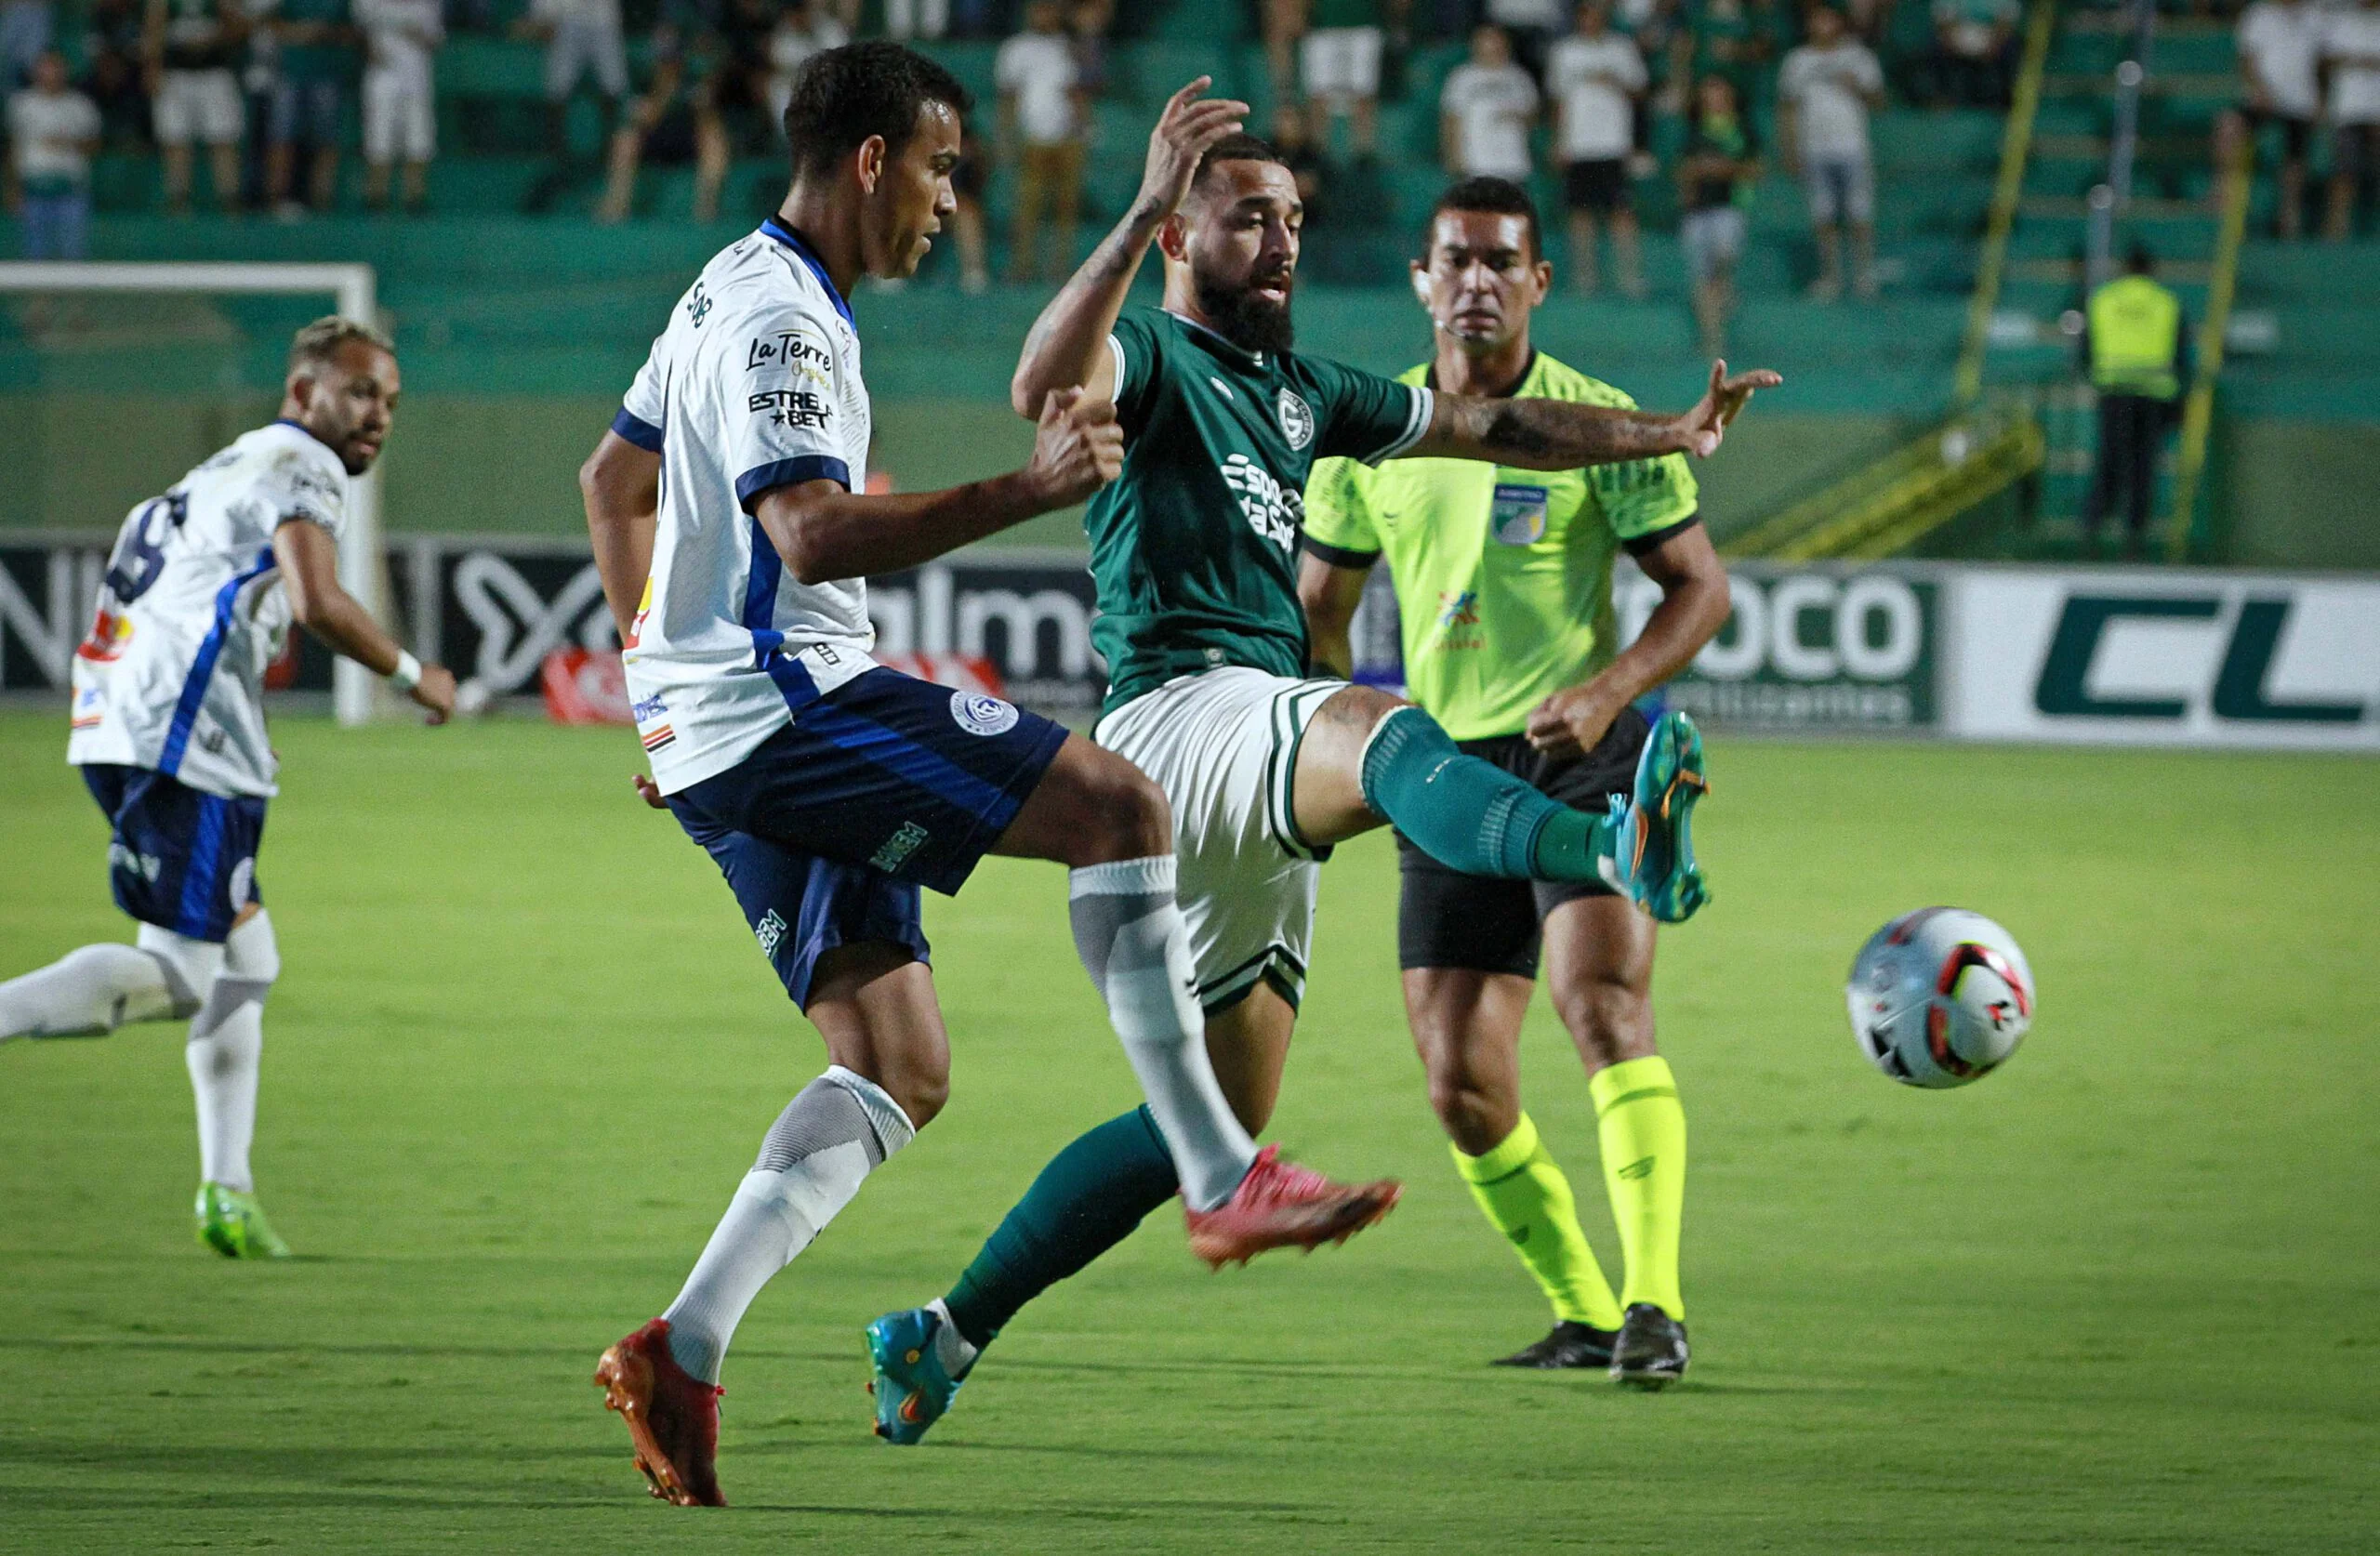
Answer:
[(1670, 778), (911, 1388), (232, 1224)]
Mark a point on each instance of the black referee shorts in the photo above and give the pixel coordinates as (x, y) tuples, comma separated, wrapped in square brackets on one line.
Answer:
[(1446, 918)]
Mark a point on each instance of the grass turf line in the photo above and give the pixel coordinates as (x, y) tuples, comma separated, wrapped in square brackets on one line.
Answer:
[(2117, 1296)]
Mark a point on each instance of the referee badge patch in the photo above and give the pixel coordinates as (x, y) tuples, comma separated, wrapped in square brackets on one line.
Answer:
[(981, 715), (1297, 419), (1517, 515)]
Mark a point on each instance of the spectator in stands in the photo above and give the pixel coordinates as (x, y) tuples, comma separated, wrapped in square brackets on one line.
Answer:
[(916, 19), (1974, 51), (1484, 112), (1715, 176), (1825, 89), (583, 43), (1731, 38), (968, 182), (53, 130), (803, 28), (24, 38), (2280, 53), (1341, 60), (731, 98), (1530, 26), (1042, 120), (112, 70), (1596, 77), (660, 124), (401, 40), (2351, 56), (1281, 23), (2136, 344), (1305, 161), (189, 49), (1087, 24), (306, 99)]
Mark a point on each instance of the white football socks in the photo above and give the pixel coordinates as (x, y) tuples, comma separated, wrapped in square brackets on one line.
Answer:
[(98, 988), (226, 1051), (840, 1128), (1132, 941), (951, 1348)]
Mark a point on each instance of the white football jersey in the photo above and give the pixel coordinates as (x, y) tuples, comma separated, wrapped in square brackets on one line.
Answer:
[(755, 385), (172, 675)]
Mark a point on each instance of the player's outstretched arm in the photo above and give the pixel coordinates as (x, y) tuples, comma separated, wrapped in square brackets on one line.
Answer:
[(1563, 435), (1067, 346), (308, 557), (620, 487), (825, 532)]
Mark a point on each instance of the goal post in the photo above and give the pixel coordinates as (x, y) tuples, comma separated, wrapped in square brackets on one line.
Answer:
[(353, 288)]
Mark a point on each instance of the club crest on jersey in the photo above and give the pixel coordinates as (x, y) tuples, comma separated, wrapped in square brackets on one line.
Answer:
[(981, 715), (1297, 419)]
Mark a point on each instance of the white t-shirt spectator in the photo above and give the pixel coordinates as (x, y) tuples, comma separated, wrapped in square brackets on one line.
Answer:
[(1492, 105), (400, 36), (2285, 45), (1593, 78), (1828, 89), (2355, 89), (46, 133), (1039, 68), (791, 43)]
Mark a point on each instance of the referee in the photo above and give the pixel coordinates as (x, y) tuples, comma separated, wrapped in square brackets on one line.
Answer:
[(1503, 580)]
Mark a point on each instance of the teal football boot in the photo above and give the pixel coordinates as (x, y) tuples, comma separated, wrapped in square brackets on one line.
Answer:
[(911, 1389), (1670, 778), (232, 1224)]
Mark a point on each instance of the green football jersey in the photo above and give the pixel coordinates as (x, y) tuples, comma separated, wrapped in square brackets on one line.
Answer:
[(1504, 576), (1194, 548)]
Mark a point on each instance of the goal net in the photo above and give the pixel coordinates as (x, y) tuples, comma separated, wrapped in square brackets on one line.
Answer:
[(115, 380)]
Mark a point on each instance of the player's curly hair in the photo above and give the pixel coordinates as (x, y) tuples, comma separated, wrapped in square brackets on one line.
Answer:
[(842, 96), (316, 345), (1495, 196)]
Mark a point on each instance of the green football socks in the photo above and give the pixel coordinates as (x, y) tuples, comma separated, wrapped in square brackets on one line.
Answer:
[(1472, 817), (1642, 1130), (1525, 1195), (1087, 1200)]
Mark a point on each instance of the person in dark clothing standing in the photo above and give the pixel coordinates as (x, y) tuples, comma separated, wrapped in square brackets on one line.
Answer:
[(2138, 349)]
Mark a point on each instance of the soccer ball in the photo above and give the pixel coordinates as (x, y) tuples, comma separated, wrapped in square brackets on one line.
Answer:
[(1939, 998)]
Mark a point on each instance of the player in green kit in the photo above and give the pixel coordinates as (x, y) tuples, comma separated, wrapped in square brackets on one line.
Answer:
[(1504, 586), (1193, 550)]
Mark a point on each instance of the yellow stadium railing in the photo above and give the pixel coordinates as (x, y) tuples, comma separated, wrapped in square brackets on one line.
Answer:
[(2198, 412), (1886, 506), (2015, 150)]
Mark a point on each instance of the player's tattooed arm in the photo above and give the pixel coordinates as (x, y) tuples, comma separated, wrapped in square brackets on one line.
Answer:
[(1563, 435), (1067, 346), (620, 486), (825, 532)]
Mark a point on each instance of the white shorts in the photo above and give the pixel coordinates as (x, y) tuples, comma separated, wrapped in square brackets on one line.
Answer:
[(400, 118), (1222, 745), (198, 105), (582, 47), (1713, 239), (1341, 61), (1839, 189)]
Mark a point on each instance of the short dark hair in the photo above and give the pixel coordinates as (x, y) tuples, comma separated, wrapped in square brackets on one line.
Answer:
[(1496, 196), (1238, 146), (842, 96)]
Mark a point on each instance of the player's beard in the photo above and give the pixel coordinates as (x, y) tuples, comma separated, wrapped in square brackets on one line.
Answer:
[(1241, 317)]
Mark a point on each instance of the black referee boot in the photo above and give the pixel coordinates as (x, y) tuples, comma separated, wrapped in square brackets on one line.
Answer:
[(1570, 1345), (1650, 1352)]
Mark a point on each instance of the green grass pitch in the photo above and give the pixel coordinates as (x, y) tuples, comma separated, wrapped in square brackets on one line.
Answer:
[(2122, 1296)]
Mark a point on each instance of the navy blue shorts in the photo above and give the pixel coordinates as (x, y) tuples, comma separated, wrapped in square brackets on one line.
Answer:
[(882, 787), (180, 859)]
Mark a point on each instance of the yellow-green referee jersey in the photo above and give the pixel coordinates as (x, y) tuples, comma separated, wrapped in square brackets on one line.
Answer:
[(1504, 576)]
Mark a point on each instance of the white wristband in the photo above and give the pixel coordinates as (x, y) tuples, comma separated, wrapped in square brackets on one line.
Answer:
[(407, 675)]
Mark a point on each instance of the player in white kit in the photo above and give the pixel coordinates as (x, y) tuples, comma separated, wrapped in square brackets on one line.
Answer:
[(731, 525), (168, 729)]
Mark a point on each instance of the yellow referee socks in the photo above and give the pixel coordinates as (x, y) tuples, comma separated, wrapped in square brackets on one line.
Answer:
[(1644, 1166), (1525, 1197)]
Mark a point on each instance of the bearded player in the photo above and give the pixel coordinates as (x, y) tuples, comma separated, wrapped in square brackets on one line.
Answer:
[(731, 526), (1194, 551), (168, 729), (1530, 677)]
